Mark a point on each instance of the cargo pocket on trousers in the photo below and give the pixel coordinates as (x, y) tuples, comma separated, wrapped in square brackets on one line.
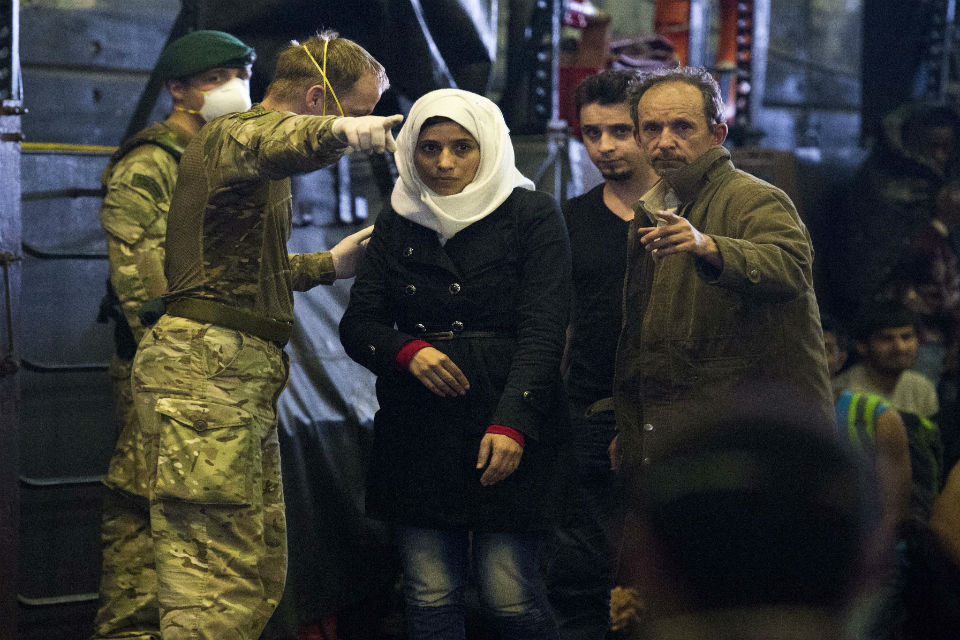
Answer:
[(208, 453)]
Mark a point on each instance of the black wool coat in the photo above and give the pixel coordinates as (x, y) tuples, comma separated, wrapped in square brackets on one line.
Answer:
[(507, 274)]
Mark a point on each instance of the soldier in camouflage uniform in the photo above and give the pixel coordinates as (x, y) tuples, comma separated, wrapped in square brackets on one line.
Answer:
[(207, 375), (200, 70), (139, 179)]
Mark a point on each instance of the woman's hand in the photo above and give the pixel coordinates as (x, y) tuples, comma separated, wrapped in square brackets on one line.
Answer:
[(614, 453), (500, 455), (438, 373)]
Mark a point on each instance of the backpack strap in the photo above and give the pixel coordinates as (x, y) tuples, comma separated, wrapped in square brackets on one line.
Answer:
[(158, 135)]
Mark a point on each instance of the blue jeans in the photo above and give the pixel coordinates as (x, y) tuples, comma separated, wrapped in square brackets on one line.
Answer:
[(436, 568)]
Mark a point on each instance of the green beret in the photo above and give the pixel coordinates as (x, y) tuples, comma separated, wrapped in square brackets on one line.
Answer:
[(200, 51)]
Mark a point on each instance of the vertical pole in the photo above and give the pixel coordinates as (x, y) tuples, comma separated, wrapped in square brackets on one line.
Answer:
[(344, 193), (744, 14), (11, 109), (192, 17), (758, 56), (557, 127), (556, 16), (946, 54), (697, 55)]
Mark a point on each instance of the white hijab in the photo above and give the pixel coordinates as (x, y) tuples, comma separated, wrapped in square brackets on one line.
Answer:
[(496, 178)]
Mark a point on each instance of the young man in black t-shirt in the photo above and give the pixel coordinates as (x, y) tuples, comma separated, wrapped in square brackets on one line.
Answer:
[(578, 569)]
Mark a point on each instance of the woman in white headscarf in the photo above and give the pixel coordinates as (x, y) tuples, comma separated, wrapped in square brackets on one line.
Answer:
[(460, 308)]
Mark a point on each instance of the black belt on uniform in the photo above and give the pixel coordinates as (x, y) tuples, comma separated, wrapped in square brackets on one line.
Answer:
[(603, 405), (452, 335), (232, 318)]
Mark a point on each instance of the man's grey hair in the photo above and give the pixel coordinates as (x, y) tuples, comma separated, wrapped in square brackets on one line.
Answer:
[(697, 77)]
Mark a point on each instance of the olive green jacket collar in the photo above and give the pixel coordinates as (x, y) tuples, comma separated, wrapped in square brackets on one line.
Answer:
[(688, 181)]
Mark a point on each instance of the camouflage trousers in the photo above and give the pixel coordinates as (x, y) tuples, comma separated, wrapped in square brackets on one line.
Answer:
[(194, 531), (123, 410)]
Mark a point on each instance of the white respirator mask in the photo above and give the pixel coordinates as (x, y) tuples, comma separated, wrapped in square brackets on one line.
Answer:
[(231, 97)]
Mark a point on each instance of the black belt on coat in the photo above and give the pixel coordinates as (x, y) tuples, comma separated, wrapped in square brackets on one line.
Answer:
[(455, 335)]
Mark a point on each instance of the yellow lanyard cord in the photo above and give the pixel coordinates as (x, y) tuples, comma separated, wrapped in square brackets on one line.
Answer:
[(323, 72)]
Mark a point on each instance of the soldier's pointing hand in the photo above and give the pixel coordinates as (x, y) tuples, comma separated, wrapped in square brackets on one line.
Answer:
[(368, 133)]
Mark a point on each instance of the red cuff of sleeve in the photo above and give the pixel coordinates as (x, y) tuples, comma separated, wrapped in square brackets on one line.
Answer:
[(407, 351), (513, 434)]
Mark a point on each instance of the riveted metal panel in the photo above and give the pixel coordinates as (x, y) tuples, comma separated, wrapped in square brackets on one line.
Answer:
[(10, 229), (119, 35), (85, 63)]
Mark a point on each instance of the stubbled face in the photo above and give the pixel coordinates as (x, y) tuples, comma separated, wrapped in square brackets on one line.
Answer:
[(610, 140), (446, 157), (892, 350), (673, 128), (190, 91), (359, 101)]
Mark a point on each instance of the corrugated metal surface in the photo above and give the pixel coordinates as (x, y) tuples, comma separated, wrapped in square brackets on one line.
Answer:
[(10, 269), (66, 430), (84, 65)]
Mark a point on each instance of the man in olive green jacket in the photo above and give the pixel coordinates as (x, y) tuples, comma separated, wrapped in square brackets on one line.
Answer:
[(718, 296)]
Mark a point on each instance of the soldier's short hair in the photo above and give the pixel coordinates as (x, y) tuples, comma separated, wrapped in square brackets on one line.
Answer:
[(347, 62), (697, 77), (606, 87)]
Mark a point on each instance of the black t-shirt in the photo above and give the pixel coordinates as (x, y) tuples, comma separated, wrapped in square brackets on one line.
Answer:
[(598, 240)]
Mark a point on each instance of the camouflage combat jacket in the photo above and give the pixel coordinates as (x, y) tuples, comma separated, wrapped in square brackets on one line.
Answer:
[(138, 184), (231, 212)]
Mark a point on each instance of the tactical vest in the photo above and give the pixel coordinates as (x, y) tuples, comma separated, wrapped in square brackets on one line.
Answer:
[(168, 140), (157, 134)]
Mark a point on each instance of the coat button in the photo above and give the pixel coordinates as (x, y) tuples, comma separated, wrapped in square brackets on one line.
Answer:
[(420, 327), (456, 325), (408, 252), (200, 425), (648, 427), (409, 289), (454, 288), (527, 395), (646, 461), (754, 275), (372, 349)]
